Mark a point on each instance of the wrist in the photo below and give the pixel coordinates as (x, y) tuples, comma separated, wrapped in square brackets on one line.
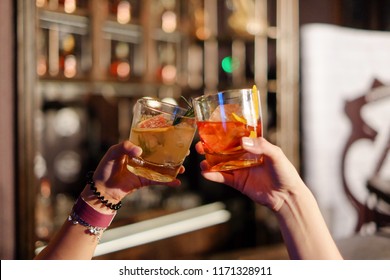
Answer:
[(113, 195), (91, 215), (304, 229), (95, 221), (98, 197), (299, 204), (92, 199)]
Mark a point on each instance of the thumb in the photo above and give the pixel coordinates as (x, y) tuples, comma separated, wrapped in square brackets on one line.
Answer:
[(131, 149), (260, 146), (274, 156), (252, 145)]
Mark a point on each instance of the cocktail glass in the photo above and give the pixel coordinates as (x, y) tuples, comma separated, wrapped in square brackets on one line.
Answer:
[(164, 132), (223, 119)]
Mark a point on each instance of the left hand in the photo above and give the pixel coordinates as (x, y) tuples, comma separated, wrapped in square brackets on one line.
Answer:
[(112, 177)]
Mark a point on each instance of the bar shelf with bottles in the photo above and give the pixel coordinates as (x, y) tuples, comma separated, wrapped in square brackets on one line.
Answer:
[(90, 70), (63, 46), (93, 61)]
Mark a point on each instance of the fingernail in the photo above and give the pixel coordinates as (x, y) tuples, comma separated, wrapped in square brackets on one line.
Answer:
[(248, 142), (136, 150)]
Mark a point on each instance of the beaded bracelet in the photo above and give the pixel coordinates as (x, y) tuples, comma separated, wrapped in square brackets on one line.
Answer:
[(75, 219), (91, 183)]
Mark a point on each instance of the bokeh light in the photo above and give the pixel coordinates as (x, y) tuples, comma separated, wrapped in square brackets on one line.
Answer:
[(123, 15), (70, 6), (70, 66), (229, 64), (169, 21), (123, 69), (66, 122), (168, 74)]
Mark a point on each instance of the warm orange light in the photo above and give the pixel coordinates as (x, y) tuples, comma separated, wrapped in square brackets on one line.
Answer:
[(169, 22), (70, 66), (168, 74), (70, 6), (40, 3), (123, 15), (68, 43), (41, 65), (202, 33), (123, 69)]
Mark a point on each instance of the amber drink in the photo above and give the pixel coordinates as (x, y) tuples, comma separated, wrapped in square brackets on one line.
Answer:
[(164, 133), (223, 119)]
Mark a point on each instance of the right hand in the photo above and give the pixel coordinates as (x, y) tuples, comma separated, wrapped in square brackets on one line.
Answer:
[(269, 184)]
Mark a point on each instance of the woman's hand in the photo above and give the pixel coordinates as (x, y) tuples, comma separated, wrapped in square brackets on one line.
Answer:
[(112, 176), (269, 184)]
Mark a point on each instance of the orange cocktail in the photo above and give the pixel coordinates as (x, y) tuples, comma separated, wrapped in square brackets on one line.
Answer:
[(222, 120)]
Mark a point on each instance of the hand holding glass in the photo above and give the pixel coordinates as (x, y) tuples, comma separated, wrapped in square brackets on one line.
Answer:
[(223, 119), (164, 133)]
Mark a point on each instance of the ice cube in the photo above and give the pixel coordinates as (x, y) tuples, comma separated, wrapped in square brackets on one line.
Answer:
[(225, 112)]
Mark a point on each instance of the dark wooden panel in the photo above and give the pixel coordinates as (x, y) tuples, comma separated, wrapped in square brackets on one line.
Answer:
[(7, 90)]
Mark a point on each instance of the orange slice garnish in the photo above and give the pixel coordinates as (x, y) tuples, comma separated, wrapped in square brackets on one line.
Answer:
[(256, 100), (255, 95), (238, 118), (253, 134)]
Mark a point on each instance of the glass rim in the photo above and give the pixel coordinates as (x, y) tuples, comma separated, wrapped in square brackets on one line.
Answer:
[(223, 92), (181, 113)]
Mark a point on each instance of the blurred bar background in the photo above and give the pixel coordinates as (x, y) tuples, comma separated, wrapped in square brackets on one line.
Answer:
[(71, 71)]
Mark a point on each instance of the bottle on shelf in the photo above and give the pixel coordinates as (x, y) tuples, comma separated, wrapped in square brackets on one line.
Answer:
[(120, 65), (68, 60), (124, 11), (166, 11), (67, 6)]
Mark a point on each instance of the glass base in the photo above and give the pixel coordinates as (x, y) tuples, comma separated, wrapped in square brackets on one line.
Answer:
[(150, 174), (154, 172), (236, 164)]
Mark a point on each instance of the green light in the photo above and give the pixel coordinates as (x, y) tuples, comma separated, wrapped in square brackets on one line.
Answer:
[(229, 64)]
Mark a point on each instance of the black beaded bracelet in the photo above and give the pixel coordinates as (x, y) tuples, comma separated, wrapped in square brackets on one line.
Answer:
[(98, 194)]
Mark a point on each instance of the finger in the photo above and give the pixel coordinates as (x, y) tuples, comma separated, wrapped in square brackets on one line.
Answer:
[(199, 148), (261, 146), (132, 149), (219, 177), (174, 183), (122, 148), (204, 166), (182, 169)]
